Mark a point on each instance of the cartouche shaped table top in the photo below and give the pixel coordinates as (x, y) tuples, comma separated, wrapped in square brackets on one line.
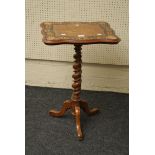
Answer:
[(78, 33)]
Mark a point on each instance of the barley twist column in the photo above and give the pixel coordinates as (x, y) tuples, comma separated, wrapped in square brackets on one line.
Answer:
[(75, 103), (77, 74)]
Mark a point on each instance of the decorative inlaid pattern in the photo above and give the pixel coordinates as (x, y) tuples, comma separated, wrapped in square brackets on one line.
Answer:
[(78, 32)]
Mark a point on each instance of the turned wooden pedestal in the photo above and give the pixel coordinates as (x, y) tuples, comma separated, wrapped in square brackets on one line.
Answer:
[(75, 103), (78, 34)]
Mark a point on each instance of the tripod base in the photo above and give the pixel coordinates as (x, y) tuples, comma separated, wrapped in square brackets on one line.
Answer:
[(75, 106)]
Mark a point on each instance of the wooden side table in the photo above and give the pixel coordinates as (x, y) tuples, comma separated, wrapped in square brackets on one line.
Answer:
[(78, 34)]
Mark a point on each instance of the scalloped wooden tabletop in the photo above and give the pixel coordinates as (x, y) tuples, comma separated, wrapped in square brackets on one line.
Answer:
[(78, 33)]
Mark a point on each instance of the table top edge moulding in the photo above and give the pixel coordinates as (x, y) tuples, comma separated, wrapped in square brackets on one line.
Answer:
[(55, 33)]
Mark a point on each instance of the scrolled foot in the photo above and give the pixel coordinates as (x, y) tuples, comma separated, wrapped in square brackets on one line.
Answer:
[(78, 124), (73, 111), (67, 105), (85, 107)]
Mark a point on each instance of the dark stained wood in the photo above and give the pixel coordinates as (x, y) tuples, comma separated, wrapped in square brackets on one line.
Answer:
[(77, 33), (77, 74)]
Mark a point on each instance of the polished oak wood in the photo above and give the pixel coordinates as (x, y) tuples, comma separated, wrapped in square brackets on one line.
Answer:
[(78, 34)]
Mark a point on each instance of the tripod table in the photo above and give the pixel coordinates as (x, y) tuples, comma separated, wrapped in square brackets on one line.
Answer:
[(77, 34)]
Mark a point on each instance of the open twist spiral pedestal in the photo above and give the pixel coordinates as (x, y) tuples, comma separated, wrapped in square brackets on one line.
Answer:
[(75, 103)]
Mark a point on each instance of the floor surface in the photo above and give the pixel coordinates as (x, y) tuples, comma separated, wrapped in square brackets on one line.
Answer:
[(106, 133)]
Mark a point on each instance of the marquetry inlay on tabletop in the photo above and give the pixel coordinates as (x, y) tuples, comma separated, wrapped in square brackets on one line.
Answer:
[(78, 32)]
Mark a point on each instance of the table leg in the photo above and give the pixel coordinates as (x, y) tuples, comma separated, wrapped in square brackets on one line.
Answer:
[(78, 123), (67, 105), (85, 107)]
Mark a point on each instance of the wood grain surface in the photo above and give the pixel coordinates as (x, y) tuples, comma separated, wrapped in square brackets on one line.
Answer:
[(78, 33)]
